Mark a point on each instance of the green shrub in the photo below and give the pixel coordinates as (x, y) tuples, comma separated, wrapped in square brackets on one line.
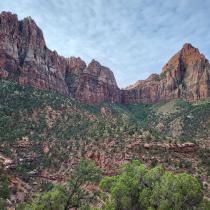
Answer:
[(4, 190), (154, 162), (139, 188)]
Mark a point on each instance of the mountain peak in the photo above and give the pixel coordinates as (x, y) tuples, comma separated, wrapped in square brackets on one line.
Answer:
[(188, 46), (188, 55), (26, 59), (29, 18)]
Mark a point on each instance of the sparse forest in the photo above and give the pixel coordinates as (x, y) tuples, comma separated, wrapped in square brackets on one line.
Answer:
[(54, 152)]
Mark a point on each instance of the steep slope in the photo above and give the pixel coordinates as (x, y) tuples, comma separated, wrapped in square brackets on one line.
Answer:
[(177, 118), (25, 58), (185, 76), (44, 134), (97, 84)]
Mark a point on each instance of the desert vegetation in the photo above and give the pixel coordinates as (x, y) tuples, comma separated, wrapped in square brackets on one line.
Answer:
[(46, 138)]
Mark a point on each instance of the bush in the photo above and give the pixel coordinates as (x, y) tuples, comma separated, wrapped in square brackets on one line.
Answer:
[(139, 188), (154, 162), (2, 204), (14, 190), (148, 138), (188, 164), (4, 190)]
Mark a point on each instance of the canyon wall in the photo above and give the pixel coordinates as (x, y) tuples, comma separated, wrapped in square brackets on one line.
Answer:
[(185, 76), (25, 58)]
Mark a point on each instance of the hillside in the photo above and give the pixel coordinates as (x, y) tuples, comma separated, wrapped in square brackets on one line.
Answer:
[(177, 118), (44, 134)]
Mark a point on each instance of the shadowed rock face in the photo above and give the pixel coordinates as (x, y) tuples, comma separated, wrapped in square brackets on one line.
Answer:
[(25, 58)]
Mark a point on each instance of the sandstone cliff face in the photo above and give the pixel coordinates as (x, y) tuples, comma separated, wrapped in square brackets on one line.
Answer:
[(25, 58), (185, 76), (97, 84), (138, 83), (74, 70), (141, 82)]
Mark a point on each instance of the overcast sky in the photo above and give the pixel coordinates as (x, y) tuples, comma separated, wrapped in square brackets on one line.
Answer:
[(134, 38)]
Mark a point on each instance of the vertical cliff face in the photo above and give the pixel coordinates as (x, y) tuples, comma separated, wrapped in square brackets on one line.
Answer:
[(25, 58), (97, 84), (185, 76), (75, 68)]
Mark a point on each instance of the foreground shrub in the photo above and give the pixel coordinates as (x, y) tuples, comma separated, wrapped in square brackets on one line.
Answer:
[(139, 188)]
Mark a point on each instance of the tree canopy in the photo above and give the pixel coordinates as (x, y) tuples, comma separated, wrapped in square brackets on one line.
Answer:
[(139, 188), (75, 194)]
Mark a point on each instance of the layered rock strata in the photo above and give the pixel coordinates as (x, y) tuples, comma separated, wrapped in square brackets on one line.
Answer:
[(25, 58), (185, 76), (104, 161), (97, 84)]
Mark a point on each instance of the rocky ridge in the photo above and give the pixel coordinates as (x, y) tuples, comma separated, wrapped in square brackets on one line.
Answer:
[(100, 158), (185, 76), (25, 58), (141, 82)]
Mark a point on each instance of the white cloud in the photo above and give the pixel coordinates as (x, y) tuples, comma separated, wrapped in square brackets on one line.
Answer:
[(132, 38)]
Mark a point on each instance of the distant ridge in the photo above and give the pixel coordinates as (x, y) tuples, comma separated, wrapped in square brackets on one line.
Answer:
[(25, 58)]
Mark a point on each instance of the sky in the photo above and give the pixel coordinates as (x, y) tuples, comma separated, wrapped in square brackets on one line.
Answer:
[(134, 38)]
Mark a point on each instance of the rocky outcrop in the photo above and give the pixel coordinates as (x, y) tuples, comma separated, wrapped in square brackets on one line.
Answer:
[(152, 76), (25, 58), (109, 163), (185, 76), (141, 82), (138, 83), (186, 147), (74, 69), (97, 84)]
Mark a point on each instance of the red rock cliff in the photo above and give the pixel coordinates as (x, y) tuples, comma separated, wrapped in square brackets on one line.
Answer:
[(97, 84), (25, 58), (185, 76)]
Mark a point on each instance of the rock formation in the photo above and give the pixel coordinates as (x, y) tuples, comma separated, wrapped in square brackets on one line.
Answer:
[(141, 82), (97, 84), (152, 76), (25, 58), (138, 83), (185, 76), (106, 162)]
